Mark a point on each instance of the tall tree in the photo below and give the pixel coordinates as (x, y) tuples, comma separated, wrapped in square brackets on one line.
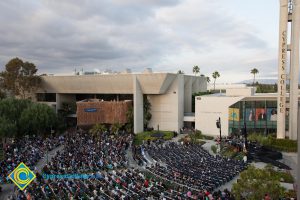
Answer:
[(19, 78), (38, 119), (11, 109), (130, 121), (208, 79), (196, 70), (7, 128), (180, 72), (147, 111), (254, 71), (215, 75)]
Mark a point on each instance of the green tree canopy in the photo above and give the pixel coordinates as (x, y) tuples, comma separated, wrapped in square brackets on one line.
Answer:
[(11, 109), (7, 128), (97, 129), (19, 78), (129, 125), (255, 183), (196, 70), (22, 117), (147, 111), (254, 71), (38, 119), (116, 127), (215, 75)]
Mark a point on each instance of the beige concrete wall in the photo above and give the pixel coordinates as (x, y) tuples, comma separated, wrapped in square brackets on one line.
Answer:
[(199, 84), (167, 109), (192, 84), (294, 71), (188, 82), (249, 91), (155, 83), (138, 109), (208, 109), (180, 105), (169, 94)]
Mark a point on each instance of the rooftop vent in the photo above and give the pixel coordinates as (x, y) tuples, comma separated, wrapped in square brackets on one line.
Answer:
[(147, 71)]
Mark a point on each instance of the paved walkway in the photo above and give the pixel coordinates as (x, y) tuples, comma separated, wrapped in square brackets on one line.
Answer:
[(207, 146), (129, 157), (178, 137), (8, 189), (290, 159), (51, 154)]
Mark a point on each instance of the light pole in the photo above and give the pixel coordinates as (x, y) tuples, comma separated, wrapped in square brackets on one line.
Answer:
[(218, 124)]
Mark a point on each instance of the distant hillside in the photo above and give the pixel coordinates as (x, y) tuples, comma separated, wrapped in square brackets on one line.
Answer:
[(261, 81)]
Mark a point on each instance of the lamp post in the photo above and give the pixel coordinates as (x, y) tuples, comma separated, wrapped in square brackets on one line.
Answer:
[(218, 124), (245, 136)]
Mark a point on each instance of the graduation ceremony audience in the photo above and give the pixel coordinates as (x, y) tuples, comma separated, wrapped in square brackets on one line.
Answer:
[(101, 163)]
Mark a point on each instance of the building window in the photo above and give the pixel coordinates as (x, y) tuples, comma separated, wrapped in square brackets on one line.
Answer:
[(46, 97)]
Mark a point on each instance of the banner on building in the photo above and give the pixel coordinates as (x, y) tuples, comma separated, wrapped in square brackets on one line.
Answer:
[(261, 114), (234, 114), (250, 114)]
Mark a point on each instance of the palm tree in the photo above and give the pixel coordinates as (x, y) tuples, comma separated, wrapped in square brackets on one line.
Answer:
[(208, 79), (254, 71), (196, 70), (115, 128), (97, 129), (180, 72), (215, 75)]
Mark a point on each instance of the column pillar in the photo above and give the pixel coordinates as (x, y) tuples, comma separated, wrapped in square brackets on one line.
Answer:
[(281, 101), (294, 71), (138, 110)]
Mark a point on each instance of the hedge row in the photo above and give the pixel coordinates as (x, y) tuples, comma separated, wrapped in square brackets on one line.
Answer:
[(148, 135), (198, 135), (274, 143)]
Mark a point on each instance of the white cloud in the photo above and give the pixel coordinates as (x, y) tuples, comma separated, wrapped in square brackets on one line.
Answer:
[(165, 35)]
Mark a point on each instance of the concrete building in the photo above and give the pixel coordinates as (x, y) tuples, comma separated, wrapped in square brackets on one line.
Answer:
[(236, 108), (170, 95), (288, 67)]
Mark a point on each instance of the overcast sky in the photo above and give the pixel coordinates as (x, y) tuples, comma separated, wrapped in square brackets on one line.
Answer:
[(230, 36)]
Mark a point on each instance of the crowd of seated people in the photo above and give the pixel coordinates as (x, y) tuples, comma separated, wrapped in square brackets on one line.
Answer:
[(28, 150), (189, 169), (192, 166), (103, 158)]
